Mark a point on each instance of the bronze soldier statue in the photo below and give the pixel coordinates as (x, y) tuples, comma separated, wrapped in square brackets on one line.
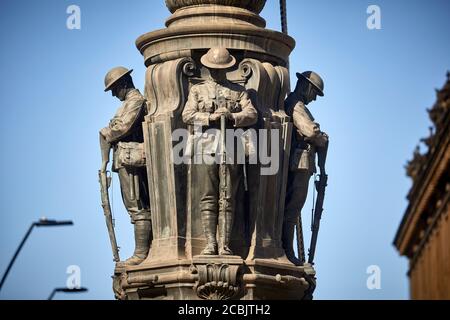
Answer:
[(308, 140), (210, 102), (125, 136)]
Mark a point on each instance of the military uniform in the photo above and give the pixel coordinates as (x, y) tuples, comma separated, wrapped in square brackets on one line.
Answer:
[(202, 102), (126, 126), (306, 139)]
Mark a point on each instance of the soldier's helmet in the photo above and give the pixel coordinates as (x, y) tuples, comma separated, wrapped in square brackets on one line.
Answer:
[(218, 58), (114, 75), (314, 79)]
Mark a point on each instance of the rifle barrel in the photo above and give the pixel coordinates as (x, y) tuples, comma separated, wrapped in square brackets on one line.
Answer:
[(108, 215), (317, 217)]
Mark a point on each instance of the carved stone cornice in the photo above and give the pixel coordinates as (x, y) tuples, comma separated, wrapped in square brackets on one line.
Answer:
[(251, 5), (171, 43), (201, 25), (428, 171), (421, 193), (214, 15)]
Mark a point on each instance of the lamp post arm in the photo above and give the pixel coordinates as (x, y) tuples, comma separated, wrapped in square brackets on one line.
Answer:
[(66, 290), (50, 297)]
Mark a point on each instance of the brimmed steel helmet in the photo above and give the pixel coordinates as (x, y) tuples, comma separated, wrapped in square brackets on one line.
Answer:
[(314, 79), (115, 75), (218, 58)]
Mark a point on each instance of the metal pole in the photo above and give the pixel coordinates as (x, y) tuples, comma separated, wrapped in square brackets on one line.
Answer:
[(50, 297), (300, 240), (283, 13), (41, 223), (284, 26), (16, 254)]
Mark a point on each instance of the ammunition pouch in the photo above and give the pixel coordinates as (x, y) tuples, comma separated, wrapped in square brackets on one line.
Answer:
[(131, 154), (302, 160), (249, 143), (206, 143)]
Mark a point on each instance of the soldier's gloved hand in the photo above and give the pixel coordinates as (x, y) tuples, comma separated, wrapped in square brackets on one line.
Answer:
[(223, 111), (218, 114), (322, 140), (214, 117), (104, 132), (226, 112), (104, 166)]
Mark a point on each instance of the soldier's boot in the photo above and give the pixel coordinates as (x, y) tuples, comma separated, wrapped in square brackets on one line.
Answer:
[(288, 243), (142, 238), (209, 221), (226, 227)]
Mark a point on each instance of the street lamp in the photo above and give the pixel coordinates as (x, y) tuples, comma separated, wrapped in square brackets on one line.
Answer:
[(66, 290), (43, 222)]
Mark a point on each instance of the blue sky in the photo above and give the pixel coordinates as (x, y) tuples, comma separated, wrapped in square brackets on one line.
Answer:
[(378, 84)]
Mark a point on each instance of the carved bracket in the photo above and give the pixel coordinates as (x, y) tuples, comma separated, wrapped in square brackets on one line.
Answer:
[(218, 281), (167, 85), (268, 85)]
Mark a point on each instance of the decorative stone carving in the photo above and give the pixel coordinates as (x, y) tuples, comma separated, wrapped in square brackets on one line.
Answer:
[(414, 166), (166, 87), (438, 115), (218, 278), (440, 109)]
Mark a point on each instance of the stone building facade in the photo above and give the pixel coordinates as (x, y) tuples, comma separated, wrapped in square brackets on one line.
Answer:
[(424, 234)]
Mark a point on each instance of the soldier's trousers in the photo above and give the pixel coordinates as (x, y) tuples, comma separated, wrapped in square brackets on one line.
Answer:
[(207, 181), (135, 195), (296, 194)]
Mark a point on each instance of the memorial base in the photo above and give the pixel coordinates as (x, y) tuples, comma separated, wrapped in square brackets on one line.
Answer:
[(215, 278)]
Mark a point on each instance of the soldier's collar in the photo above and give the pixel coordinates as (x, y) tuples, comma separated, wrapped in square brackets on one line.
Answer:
[(131, 93), (299, 97), (211, 80)]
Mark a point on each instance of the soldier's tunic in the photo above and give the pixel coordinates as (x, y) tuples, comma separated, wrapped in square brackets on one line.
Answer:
[(126, 126), (202, 102), (307, 137)]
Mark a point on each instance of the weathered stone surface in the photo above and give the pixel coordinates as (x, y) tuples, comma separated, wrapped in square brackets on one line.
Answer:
[(175, 268), (198, 28), (215, 278)]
